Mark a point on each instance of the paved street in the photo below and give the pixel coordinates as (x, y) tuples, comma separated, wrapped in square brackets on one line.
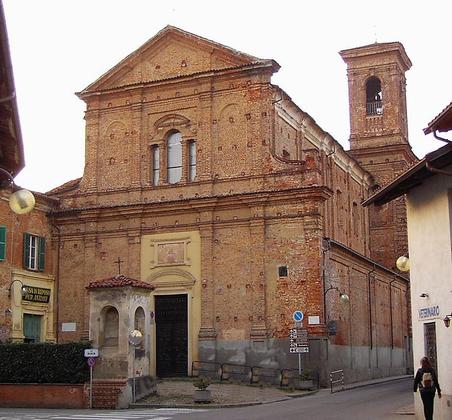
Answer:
[(376, 402), (134, 414)]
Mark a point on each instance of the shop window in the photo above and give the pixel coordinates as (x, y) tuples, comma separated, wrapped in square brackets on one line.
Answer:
[(430, 343), (111, 327), (2, 243), (34, 252)]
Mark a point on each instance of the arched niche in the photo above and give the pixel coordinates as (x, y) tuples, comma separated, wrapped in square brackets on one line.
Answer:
[(109, 331), (140, 325)]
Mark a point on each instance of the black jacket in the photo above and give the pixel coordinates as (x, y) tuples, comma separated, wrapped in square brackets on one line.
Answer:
[(418, 381)]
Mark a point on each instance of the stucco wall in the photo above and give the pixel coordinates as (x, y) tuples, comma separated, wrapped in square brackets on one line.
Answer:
[(429, 235)]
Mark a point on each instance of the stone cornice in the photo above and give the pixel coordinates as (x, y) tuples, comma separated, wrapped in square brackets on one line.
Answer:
[(315, 193)]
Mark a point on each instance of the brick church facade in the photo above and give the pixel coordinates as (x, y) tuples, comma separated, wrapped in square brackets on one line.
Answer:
[(206, 181)]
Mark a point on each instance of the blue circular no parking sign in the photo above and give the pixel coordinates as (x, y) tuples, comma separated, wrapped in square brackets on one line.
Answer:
[(298, 316)]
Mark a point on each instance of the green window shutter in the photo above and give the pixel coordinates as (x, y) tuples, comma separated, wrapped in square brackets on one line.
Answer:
[(2, 243), (42, 253), (26, 249)]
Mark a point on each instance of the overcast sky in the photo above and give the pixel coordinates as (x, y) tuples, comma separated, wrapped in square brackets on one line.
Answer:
[(58, 47)]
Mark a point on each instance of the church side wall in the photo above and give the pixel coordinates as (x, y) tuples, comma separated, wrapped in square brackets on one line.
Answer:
[(368, 335)]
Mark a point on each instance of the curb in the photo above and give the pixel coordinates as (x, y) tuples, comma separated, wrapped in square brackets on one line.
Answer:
[(204, 406), (232, 405), (304, 394), (376, 382)]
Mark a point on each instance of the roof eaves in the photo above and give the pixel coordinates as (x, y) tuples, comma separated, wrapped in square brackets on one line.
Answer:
[(246, 66), (444, 117), (411, 177)]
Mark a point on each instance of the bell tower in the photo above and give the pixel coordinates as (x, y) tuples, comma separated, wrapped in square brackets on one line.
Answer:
[(379, 135)]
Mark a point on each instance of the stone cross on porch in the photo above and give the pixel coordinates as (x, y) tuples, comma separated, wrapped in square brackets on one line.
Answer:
[(119, 261)]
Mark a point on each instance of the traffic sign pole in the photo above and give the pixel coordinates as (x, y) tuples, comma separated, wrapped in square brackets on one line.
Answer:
[(298, 338), (91, 355), (90, 386)]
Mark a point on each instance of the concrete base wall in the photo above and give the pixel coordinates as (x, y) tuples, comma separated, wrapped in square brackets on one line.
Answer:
[(358, 363)]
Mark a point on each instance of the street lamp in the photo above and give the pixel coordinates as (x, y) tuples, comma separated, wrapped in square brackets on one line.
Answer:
[(403, 263), (135, 339), (447, 319), (21, 201), (342, 296), (23, 289)]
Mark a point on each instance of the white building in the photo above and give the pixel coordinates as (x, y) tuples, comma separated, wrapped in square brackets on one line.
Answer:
[(428, 189)]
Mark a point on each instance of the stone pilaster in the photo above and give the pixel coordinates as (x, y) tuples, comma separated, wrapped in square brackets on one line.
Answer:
[(257, 236), (207, 330)]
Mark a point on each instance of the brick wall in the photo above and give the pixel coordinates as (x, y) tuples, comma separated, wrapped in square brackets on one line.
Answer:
[(44, 395)]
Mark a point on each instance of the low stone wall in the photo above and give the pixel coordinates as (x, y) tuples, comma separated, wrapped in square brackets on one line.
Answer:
[(44, 395), (113, 393), (117, 393), (108, 393)]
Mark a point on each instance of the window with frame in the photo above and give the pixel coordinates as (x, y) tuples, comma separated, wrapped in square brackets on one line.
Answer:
[(2, 243), (174, 157), (34, 252), (191, 160), (155, 151), (283, 271)]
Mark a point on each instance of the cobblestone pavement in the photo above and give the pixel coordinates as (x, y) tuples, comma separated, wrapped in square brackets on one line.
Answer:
[(180, 393)]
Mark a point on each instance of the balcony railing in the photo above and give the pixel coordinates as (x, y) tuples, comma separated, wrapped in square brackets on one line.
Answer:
[(374, 108)]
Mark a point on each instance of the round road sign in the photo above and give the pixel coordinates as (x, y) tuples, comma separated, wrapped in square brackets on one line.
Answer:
[(298, 316), (91, 361)]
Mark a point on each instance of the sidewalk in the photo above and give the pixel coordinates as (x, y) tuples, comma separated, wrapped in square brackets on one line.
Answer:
[(179, 393)]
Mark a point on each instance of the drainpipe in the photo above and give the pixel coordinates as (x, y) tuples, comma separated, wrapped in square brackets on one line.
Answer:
[(431, 168), (391, 318), (369, 298), (435, 134), (325, 248)]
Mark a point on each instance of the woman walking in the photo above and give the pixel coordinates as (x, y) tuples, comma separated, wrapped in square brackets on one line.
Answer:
[(427, 381)]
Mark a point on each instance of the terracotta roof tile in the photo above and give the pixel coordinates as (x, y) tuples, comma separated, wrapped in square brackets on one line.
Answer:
[(119, 281), (65, 187), (442, 122)]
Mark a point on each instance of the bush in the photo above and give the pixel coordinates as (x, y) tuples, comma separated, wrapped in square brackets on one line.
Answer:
[(201, 382), (306, 375), (44, 363)]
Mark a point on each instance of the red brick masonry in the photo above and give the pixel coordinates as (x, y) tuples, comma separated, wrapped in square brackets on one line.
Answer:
[(44, 395)]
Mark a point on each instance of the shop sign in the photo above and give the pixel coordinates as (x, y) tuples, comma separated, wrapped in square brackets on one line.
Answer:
[(36, 294), (429, 312)]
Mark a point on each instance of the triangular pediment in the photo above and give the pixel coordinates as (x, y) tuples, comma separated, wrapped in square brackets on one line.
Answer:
[(169, 54)]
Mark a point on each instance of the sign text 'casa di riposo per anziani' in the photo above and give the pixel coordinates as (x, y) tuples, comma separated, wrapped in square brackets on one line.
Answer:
[(36, 294)]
